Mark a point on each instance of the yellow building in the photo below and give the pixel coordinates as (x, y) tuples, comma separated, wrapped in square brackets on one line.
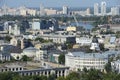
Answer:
[(71, 28)]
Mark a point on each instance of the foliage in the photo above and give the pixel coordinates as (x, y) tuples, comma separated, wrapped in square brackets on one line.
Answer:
[(61, 59), (102, 48), (69, 45), (7, 38), (108, 67), (91, 74), (25, 58), (118, 34), (42, 40)]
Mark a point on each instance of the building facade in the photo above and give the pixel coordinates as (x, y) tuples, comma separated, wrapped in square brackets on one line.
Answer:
[(96, 9), (80, 60), (116, 66), (103, 8)]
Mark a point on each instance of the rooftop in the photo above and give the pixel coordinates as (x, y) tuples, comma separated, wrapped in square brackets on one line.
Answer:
[(93, 55)]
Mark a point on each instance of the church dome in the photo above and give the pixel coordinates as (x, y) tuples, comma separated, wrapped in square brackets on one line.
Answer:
[(30, 51)]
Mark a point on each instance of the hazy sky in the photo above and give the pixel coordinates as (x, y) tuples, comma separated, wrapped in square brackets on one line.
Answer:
[(57, 3)]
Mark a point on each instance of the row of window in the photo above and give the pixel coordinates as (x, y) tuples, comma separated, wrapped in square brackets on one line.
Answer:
[(11, 69)]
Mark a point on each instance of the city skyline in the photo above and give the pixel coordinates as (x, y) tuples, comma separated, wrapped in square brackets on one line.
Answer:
[(57, 3)]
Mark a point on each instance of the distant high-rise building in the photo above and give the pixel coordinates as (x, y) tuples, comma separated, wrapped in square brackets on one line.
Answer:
[(42, 12), (88, 11), (96, 9), (65, 10), (103, 8), (4, 7), (114, 11)]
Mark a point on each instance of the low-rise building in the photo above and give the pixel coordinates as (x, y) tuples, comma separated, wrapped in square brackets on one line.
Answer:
[(59, 38), (115, 27), (83, 41), (81, 60), (116, 66), (11, 67), (4, 56)]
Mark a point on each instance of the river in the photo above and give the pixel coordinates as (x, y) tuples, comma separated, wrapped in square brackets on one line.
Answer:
[(86, 25)]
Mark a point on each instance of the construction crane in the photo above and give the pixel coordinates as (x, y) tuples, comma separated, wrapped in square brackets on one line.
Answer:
[(75, 20)]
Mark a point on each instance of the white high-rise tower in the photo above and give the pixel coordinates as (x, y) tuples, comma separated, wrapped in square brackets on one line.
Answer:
[(115, 11), (103, 8), (42, 11), (65, 10), (96, 9)]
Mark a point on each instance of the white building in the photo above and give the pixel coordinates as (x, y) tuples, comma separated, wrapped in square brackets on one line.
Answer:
[(59, 38), (116, 66), (4, 57), (103, 8), (50, 11), (23, 11), (114, 11), (41, 55), (14, 29), (30, 51), (42, 11), (95, 44), (16, 56), (36, 25), (31, 12), (14, 41), (83, 41), (88, 11), (11, 67), (96, 9), (65, 10), (35, 53), (81, 60)]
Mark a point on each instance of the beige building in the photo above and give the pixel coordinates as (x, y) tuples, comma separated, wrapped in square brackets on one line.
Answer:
[(14, 41), (115, 27), (50, 12), (31, 12), (71, 28)]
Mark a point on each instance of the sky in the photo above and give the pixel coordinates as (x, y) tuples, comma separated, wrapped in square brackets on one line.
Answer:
[(57, 3)]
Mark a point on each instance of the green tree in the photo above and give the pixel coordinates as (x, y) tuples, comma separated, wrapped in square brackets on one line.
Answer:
[(7, 38), (25, 58), (85, 69), (108, 67), (102, 48), (60, 78), (73, 76), (52, 77), (61, 59)]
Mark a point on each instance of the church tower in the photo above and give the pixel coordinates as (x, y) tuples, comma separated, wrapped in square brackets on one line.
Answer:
[(95, 44)]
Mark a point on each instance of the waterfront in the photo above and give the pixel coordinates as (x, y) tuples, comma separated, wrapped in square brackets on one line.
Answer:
[(86, 25)]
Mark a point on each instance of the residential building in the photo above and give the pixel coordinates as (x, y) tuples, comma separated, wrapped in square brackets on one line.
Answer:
[(65, 10), (83, 41), (11, 67), (41, 55), (96, 9), (115, 65), (50, 11), (115, 11), (59, 38), (103, 8), (81, 60)]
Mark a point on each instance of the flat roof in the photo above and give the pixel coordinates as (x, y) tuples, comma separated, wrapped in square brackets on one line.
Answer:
[(92, 55)]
